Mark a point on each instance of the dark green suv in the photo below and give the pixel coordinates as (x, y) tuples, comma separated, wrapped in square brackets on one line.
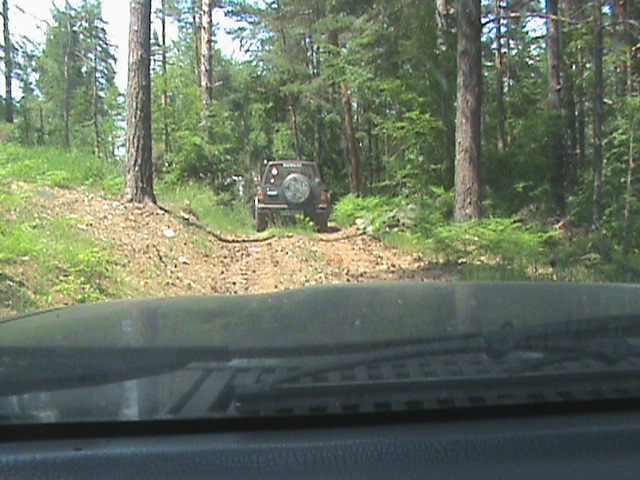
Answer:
[(291, 187)]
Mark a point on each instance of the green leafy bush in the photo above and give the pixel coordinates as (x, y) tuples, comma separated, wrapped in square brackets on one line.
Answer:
[(494, 241), (379, 214), (374, 214), (504, 248)]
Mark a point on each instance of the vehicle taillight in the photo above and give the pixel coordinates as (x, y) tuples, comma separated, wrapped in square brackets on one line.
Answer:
[(324, 199), (261, 195)]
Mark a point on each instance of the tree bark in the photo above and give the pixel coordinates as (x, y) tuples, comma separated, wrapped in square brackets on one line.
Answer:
[(628, 224), (206, 59), (97, 147), (556, 142), (572, 131), (571, 99), (444, 49), (442, 22), (166, 141), (598, 117), (139, 187), (67, 80), (293, 112), (468, 112), (197, 21), (502, 130), (582, 136), (350, 133), (8, 63), (624, 38), (580, 115), (352, 143), (293, 101)]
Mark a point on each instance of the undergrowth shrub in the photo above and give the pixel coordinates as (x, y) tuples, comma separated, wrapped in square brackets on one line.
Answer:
[(224, 212), (509, 248), (59, 168), (498, 241)]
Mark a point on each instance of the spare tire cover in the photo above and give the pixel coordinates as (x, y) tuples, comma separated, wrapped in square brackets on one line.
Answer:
[(296, 188)]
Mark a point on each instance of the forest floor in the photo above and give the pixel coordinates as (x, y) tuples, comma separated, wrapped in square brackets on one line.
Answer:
[(168, 252), (165, 251)]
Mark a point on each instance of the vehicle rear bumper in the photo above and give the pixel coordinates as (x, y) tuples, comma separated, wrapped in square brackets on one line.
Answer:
[(287, 210)]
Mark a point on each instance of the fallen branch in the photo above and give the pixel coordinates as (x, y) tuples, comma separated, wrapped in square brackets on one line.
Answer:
[(219, 237), (346, 237)]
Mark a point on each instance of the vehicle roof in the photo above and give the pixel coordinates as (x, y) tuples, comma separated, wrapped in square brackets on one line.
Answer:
[(307, 162)]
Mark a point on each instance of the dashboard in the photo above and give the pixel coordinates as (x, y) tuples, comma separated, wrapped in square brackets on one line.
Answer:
[(585, 441)]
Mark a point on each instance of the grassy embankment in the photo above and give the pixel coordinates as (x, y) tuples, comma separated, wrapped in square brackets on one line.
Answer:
[(494, 248), (45, 259)]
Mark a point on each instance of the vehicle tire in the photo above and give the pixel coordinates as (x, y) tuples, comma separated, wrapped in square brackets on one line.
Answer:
[(296, 188), (321, 224), (261, 222), (260, 219)]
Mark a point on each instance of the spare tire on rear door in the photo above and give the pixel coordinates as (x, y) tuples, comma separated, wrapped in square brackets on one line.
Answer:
[(296, 188)]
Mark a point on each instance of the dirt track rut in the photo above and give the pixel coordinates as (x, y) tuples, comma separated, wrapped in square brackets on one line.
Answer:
[(161, 252)]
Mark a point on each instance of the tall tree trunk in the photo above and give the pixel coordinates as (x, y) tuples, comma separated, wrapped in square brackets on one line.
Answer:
[(572, 131), (444, 48), (319, 120), (556, 143), (622, 18), (165, 87), (67, 80), (293, 112), (319, 143), (629, 192), (350, 133), (582, 136), (8, 63), (571, 67), (94, 109), (502, 130), (293, 102), (468, 112), (581, 115), (40, 131), (206, 60), (442, 22), (598, 117), (139, 186), (197, 21), (27, 126)]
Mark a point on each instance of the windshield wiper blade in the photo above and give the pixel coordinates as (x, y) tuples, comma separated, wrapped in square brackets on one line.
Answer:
[(528, 347), (30, 369)]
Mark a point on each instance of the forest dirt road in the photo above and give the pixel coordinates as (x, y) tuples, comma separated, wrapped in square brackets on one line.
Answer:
[(165, 252)]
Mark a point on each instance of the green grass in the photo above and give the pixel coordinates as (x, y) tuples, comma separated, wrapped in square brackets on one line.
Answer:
[(51, 262), (58, 168), (45, 260), (221, 213), (298, 225)]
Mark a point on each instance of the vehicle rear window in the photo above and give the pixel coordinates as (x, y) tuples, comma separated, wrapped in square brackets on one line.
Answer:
[(279, 171)]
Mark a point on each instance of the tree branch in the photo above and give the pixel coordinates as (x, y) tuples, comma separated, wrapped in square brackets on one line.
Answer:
[(529, 15)]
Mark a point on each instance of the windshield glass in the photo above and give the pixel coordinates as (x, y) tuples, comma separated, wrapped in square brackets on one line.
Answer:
[(277, 172), (241, 208)]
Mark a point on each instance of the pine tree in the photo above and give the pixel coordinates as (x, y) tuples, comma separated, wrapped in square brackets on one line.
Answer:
[(139, 185), (468, 120), (8, 63)]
